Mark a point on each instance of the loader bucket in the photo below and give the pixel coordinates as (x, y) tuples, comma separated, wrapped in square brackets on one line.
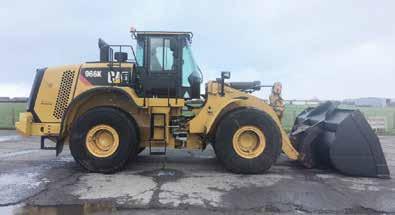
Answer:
[(327, 136)]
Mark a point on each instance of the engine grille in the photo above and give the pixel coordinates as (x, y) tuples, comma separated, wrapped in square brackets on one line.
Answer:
[(63, 94)]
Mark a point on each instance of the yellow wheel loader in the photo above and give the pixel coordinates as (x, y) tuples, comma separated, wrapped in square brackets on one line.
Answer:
[(148, 96)]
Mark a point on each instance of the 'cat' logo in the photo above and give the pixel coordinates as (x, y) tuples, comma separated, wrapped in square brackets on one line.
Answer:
[(114, 77)]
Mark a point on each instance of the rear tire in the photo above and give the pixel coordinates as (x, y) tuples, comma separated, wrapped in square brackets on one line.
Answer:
[(103, 140), (247, 141)]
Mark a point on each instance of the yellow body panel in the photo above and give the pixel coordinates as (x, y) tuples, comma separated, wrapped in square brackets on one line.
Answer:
[(216, 103), (160, 132), (51, 105), (47, 97), (25, 126), (83, 86)]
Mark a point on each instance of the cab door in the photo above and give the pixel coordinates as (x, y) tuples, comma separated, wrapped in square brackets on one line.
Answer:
[(162, 72)]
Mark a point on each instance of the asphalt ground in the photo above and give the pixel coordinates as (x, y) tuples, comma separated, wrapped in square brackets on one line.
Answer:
[(34, 181)]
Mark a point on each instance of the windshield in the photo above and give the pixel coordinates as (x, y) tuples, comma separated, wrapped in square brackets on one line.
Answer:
[(140, 53), (189, 66)]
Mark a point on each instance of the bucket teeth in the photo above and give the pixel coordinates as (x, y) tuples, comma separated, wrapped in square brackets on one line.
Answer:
[(327, 136)]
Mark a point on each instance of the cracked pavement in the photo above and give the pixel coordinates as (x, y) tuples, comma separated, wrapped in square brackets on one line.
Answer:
[(34, 181)]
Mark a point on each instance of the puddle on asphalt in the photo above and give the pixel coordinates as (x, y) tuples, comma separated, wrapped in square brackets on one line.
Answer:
[(87, 208), (163, 175), (9, 138), (159, 175)]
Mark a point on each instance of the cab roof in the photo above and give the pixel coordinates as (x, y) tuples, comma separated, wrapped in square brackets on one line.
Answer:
[(188, 34), (163, 32)]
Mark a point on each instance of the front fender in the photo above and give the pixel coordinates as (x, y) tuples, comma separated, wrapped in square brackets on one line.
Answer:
[(205, 119), (287, 146), (217, 106)]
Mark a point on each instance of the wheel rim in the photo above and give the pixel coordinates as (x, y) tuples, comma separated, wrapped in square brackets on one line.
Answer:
[(102, 141), (249, 142)]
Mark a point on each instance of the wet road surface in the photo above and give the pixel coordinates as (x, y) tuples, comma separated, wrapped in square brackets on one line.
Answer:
[(35, 181)]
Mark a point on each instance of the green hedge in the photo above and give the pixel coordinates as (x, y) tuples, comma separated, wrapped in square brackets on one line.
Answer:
[(9, 113), (388, 113)]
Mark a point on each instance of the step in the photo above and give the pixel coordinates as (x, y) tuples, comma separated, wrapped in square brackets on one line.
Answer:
[(157, 148), (157, 153)]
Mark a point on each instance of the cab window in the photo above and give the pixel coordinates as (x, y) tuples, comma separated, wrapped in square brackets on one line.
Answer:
[(140, 53), (161, 55), (189, 65)]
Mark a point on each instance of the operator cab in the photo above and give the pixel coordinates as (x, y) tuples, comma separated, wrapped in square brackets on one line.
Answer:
[(165, 65)]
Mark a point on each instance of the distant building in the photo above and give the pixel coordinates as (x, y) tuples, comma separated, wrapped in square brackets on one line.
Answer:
[(303, 102), (4, 99), (19, 99), (371, 102), (348, 101), (391, 103), (15, 99)]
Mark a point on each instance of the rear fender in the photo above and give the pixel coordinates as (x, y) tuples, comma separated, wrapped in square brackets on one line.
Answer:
[(83, 102)]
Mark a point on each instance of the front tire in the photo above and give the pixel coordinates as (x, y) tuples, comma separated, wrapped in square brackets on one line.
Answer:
[(247, 141), (103, 140)]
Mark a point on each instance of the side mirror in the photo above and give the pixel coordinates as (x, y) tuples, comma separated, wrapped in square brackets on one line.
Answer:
[(121, 56), (225, 75)]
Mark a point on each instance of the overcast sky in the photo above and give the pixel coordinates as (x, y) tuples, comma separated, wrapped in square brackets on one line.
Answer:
[(324, 49)]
